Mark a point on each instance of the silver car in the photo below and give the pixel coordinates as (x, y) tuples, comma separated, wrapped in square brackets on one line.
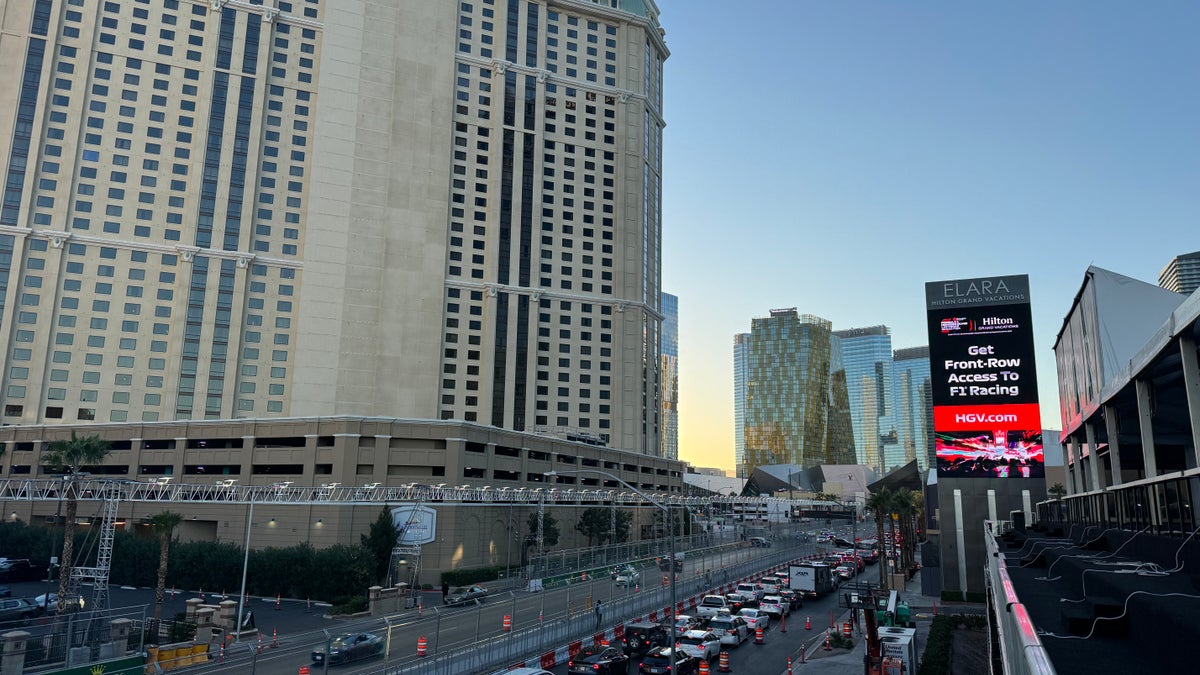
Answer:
[(732, 630)]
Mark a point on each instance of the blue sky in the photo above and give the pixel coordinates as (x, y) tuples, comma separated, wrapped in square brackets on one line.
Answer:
[(835, 156)]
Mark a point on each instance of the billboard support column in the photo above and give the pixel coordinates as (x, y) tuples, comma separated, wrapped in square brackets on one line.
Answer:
[(1114, 447), (1146, 427), (1089, 430)]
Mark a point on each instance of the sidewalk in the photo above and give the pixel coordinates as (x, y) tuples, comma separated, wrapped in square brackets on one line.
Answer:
[(850, 661)]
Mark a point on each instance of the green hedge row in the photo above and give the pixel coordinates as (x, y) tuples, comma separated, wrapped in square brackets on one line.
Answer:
[(936, 658), (472, 576)]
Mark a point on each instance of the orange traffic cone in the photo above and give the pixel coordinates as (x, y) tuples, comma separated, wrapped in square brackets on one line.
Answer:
[(808, 623), (274, 637), (828, 647), (723, 663), (278, 599), (703, 667), (422, 647), (758, 636)]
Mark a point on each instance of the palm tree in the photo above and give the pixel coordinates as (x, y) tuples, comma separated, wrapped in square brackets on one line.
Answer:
[(164, 525), (67, 458), (905, 510), (880, 503), (1057, 491)]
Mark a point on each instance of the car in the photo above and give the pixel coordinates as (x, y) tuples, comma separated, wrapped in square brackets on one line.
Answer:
[(760, 542), (795, 600), (18, 611), (711, 605), (770, 585), (664, 564), (750, 591), (702, 644), (755, 618), (685, 623), (465, 596), (731, 630), (643, 636), (349, 647), (48, 602), (668, 661), (775, 606), (627, 577), (16, 570), (845, 571), (736, 601), (599, 659)]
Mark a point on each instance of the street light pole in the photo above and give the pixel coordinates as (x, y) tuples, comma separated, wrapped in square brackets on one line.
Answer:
[(666, 509)]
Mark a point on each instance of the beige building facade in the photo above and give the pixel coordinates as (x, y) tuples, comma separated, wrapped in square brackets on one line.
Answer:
[(227, 209), (345, 451)]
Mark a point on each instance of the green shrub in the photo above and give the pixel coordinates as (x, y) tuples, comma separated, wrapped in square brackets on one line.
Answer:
[(472, 576), (936, 659), (350, 605)]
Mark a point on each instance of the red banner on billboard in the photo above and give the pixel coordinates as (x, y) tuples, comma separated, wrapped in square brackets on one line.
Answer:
[(972, 417)]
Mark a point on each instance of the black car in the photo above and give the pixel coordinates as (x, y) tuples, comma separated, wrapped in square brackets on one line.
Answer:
[(794, 599), (20, 570), (664, 564), (668, 661), (599, 659), (642, 637), (466, 596), (349, 647)]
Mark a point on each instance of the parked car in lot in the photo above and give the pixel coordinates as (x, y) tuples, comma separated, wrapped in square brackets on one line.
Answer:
[(17, 610), (755, 618), (643, 637), (600, 660), (349, 647), (731, 630), (15, 570), (668, 661), (702, 644), (48, 602), (464, 596)]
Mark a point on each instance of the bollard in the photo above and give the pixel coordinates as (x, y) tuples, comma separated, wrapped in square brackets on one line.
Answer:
[(260, 643), (828, 647), (221, 654), (789, 666), (420, 608), (278, 599), (274, 637), (308, 606), (802, 659), (172, 592), (222, 594)]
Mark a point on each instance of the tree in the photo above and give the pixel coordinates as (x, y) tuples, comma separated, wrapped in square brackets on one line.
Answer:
[(67, 458), (549, 527), (880, 503), (1057, 491), (164, 525), (380, 541), (596, 524)]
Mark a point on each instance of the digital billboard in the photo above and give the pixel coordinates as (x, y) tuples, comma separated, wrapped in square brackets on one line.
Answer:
[(986, 418)]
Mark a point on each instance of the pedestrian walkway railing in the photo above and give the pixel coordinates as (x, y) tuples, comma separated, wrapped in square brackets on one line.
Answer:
[(1020, 649)]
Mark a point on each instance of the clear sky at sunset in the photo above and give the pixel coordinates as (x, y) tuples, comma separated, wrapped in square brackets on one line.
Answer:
[(835, 156)]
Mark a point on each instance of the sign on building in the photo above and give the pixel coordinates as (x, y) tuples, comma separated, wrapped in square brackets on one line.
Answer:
[(986, 416), (415, 524)]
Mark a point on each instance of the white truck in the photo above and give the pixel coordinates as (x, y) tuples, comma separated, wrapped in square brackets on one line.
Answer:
[(812, 579)]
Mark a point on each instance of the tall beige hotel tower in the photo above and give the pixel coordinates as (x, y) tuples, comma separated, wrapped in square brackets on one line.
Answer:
[(414, 220)]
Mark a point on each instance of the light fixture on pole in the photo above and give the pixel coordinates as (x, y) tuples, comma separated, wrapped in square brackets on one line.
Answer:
[(666, 509)]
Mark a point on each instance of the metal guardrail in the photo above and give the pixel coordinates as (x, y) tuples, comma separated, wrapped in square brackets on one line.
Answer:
[(225, 491), (1021, 650)]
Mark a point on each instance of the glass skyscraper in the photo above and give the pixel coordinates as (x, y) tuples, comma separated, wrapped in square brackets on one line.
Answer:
[(796, 405), (913, 408), (741, 374), (429, 210), (670, 376), (867, 355)]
